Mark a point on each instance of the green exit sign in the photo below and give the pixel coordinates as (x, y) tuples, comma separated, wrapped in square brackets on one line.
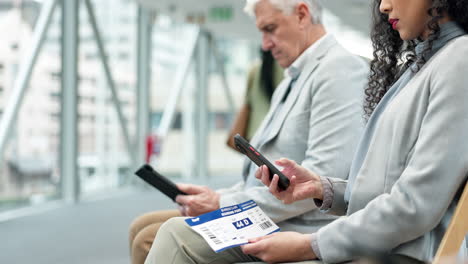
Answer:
[(221, 13)]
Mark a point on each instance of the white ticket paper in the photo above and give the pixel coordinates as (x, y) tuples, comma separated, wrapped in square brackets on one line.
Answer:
[(233, 225)]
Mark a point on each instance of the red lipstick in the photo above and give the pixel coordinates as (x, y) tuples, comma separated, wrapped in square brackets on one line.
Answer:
[(394, 22)]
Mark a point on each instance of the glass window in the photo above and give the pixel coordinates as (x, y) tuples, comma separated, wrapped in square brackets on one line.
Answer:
[(103, 159), (29, 166)]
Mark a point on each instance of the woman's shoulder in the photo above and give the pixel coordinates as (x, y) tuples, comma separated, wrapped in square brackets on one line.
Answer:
[(452, 59), (461, 41), (455, 50), (449, 67)]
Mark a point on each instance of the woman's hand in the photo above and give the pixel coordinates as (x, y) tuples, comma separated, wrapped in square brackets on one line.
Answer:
[(281, 247), (304, 183)]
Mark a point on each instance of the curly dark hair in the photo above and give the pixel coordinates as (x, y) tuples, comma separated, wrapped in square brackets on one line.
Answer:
[(392, 55)]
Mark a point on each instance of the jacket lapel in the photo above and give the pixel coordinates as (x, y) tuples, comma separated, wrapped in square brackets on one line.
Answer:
[(278, 119), (276, 99), (313, 61)]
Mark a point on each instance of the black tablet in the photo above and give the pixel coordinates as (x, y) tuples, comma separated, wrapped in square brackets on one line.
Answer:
[(163, 184), (244, 147)]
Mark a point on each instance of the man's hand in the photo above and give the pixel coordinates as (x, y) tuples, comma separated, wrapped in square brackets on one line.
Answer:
[(281, 247), (200, 200), (304, 183)]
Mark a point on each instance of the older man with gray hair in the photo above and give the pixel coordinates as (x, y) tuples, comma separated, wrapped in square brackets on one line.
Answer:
[(288, 6), (314, 119)]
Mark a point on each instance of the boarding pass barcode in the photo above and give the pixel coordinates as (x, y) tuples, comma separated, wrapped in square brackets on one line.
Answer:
[(265, 225)]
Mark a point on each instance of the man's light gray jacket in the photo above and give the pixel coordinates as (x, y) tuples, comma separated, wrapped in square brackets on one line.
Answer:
[(318, 126)]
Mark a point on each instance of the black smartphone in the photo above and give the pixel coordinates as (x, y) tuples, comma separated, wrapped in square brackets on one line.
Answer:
[(163, 184), (244, 147)]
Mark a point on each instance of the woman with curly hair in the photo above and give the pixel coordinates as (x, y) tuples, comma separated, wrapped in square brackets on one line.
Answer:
[(411, 162)]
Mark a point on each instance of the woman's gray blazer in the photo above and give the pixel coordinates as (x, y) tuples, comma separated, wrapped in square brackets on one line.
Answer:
[(403, 196)]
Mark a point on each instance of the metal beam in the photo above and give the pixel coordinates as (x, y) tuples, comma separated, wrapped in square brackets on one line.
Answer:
[(69, 104), (189, 168), (144, 33), (110, 81), (170, 109), (24, 74), (202, 129), (220, 66)]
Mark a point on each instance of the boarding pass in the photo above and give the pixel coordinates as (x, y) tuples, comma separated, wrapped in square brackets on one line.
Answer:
[(232, 225)]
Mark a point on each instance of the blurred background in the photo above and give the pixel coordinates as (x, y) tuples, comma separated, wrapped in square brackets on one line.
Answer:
[(92, 89)]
